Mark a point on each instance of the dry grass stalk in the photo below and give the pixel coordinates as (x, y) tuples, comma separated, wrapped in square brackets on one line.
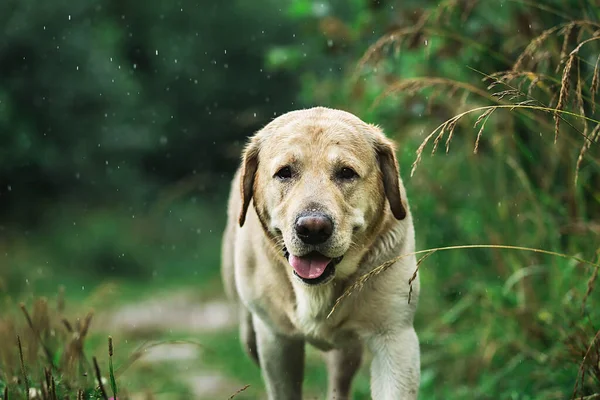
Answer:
[(360, 282), (481, 120), (240, 390), (40, 335), (579, 98), (39, 326), (23, 369), (8, 357), (564, 93), (413, 85), (533, 46), (451, 127), (590, 288), (594, 85), (414, 275), (450, 123), (441, 134), (587, 143), (73, 355), (536, 43), (375, 52), (566, 31), (581, 371), (141, 350)]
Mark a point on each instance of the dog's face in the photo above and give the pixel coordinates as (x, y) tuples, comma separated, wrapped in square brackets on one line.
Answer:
[(320, 179)]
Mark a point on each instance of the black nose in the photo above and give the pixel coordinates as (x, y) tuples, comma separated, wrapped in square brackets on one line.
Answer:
[(314, 228)]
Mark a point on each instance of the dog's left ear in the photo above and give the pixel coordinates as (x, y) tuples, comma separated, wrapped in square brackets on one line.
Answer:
[(386, 156), (249, 168)]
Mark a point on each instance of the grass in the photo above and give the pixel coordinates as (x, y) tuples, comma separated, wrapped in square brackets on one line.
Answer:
[(44, 357), (499, 324), (518, 106)]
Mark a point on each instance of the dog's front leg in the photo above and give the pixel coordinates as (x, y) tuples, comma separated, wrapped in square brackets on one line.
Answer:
[(342, 365), (395, 369), (281, 360)]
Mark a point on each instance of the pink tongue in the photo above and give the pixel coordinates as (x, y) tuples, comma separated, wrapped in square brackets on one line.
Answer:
[(309, 267)]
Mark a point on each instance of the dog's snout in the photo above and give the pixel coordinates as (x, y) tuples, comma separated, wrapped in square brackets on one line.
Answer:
[(314, 228)]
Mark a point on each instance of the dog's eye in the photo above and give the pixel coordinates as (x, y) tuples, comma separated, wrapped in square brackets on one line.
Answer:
[(284, 173), (347, 173)]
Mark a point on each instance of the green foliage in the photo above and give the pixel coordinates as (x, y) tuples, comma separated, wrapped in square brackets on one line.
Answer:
[(121, 124), (104, 100), (494, 323)]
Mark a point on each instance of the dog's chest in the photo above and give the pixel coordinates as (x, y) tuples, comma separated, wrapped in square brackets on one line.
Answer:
[(310, 317)]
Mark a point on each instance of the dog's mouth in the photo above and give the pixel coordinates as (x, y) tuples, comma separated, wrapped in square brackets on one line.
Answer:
[(313, 268)]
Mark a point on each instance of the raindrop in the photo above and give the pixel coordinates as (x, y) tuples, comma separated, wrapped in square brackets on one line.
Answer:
[(156, 52), (69, 17)]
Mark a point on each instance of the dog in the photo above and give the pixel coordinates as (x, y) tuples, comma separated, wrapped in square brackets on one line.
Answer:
[(317, 203)]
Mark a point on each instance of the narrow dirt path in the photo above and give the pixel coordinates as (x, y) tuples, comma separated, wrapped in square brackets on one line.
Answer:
[(177, 312)]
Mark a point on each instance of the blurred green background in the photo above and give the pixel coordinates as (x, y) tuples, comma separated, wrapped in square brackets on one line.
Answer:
[(121, 124)]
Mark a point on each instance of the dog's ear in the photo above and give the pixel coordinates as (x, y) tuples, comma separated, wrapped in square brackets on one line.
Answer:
[(386, 156), (249, 167)]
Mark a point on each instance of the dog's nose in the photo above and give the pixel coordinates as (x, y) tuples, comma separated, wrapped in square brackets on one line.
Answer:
[(314, 229)]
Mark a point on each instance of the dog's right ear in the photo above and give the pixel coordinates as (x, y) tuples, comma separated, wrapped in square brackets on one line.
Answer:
[(249, 167)]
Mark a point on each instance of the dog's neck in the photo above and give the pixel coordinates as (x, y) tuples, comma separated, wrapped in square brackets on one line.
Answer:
[(392, 240)]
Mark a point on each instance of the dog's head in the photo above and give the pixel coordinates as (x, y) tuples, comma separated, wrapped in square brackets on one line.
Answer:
[(320, 179)]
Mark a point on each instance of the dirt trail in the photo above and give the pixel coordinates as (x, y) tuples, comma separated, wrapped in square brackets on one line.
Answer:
[(177, 312)]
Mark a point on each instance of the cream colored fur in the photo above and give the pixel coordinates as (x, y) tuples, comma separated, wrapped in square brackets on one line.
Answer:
[(373, 224)]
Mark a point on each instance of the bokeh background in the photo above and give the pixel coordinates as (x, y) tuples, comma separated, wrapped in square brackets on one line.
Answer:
[(121, 124)]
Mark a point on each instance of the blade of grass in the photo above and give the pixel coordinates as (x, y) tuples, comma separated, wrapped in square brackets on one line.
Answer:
[(99, 379), (111, 371), (362, 280), (23, 370)]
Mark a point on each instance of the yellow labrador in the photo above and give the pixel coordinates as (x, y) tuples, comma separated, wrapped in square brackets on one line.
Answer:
[(316, 203)]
